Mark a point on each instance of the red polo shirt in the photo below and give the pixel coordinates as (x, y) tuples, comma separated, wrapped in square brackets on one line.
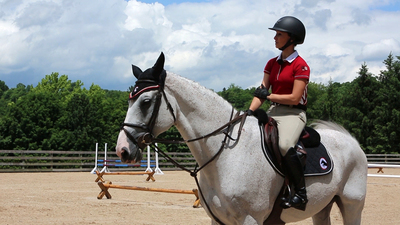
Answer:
[(281, 77)]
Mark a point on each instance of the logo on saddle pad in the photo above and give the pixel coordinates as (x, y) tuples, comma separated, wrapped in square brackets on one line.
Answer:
[(323, 163)]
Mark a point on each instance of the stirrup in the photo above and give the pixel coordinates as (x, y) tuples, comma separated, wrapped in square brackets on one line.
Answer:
[(296, 201), (300, 203), (285, 204)]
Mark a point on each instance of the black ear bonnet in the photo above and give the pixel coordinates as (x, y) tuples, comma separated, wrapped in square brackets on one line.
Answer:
[(150, 79)]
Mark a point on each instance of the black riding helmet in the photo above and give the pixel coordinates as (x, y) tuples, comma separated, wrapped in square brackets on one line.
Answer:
[(293, 26)]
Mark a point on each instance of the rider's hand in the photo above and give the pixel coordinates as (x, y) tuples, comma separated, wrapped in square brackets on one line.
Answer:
[(250, 112), (261, 92)]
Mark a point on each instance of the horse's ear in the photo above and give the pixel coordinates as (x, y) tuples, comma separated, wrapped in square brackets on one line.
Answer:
[(136, 71), (159, 66)]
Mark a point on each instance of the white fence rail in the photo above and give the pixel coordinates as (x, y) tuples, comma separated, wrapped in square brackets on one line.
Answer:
[(383, 159)]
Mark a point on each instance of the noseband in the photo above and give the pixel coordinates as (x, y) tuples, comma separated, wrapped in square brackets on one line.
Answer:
[(146, 137)]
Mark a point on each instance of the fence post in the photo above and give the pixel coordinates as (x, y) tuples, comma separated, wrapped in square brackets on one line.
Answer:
[(23, 159), (52, 161), (81, 161)]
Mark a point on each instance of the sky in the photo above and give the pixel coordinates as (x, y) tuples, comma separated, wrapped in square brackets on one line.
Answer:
[(213, 42)]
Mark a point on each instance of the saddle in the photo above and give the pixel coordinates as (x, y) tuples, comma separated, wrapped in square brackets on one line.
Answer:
[(313, 155)]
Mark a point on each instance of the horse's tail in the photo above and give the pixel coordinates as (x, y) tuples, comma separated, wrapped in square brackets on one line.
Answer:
[(321, 124)]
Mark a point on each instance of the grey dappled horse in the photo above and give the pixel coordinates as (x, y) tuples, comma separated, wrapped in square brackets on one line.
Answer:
[(238, 186)]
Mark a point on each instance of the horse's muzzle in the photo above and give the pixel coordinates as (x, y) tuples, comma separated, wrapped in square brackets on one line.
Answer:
[(128, 151), (132, 155)]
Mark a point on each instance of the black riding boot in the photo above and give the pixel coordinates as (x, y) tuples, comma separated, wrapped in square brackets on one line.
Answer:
[(295, 172)]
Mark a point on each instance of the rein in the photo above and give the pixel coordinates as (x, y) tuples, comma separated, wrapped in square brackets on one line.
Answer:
[(228, 125), (146, 138)]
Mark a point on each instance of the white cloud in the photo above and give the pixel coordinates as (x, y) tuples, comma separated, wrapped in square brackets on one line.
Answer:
[(335, 50), (379, 50), (214, 43), (146, 16)]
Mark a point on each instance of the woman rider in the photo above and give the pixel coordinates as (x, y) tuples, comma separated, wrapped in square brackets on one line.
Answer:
[(287, 75)]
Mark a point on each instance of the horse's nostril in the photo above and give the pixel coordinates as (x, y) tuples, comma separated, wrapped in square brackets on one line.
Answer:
[(124, 153)]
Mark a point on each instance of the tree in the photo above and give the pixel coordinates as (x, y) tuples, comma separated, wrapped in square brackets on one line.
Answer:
[(359, 104), (114, 110), (31, 121), (334, 107), (239, 98), (61, 114), (317, 99), (9, 124), (387, 111), (3, 87)]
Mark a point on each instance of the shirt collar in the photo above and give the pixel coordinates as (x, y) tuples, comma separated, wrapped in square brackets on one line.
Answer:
[(290, 58)]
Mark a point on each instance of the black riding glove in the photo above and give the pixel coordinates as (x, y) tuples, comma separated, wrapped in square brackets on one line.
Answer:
[(250, 112), (261, 92)]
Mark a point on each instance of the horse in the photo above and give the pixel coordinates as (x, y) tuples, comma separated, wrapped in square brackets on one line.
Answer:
[(236, 182)]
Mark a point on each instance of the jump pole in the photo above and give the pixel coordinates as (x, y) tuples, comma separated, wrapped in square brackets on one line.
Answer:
[(104, 186), (100, 175), (148, 160), (94, 170), (105, 168), (381, 166), (387, 176), (106, 171), (157, 169), (105, 161)]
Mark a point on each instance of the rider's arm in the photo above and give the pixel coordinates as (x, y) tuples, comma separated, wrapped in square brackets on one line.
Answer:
[(294, 98), (257, 102)]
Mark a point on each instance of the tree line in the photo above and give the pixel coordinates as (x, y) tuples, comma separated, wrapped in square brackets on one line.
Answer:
[(59, 114)]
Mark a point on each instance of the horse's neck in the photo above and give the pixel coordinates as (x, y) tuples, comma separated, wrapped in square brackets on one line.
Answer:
[(200, 111)]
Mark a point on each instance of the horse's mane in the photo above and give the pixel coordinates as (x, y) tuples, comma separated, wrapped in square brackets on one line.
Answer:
[(183, 83)]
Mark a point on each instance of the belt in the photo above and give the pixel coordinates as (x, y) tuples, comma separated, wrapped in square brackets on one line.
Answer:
[(299, 106)]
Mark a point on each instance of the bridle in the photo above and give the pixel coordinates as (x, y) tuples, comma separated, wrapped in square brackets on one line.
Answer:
[(146, 138)]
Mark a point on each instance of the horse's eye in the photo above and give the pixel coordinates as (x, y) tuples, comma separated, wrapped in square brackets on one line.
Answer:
[(146, 101)]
